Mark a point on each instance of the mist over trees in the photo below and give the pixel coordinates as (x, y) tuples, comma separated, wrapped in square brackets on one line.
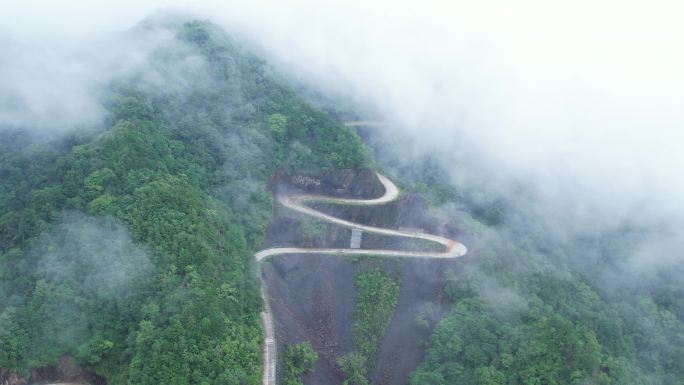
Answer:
[(128, 221), (535, 306), (130, 249)]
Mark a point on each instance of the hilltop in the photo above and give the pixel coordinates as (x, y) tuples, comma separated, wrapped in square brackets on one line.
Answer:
[(129, 248)]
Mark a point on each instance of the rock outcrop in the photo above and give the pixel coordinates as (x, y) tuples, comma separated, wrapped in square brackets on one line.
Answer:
[(344, 183)]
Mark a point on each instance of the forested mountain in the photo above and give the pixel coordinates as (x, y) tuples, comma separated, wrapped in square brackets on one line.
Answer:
[(130, 248), (533, 306)]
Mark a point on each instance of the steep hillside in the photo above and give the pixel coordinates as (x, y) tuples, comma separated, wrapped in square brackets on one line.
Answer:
[(127, 249), (130, 250), (532, 306)]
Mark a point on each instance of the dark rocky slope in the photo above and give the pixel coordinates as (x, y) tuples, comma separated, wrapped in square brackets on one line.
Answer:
[(313, 296)]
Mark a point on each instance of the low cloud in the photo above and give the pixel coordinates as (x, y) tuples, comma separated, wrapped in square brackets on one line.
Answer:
[(580, 103), (52, 85), (96, 257)]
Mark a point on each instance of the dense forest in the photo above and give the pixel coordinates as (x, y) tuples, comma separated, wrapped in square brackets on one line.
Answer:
[(129, 248)]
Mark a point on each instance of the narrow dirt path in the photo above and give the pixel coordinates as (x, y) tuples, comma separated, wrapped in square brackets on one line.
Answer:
[(452, 249)]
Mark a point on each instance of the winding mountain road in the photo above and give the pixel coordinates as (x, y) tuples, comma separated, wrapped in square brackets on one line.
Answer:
[(452, 249)]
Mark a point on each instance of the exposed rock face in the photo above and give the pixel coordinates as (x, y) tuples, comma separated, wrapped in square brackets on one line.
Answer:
[(305, 181), (351, 183), (363, 183)]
